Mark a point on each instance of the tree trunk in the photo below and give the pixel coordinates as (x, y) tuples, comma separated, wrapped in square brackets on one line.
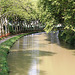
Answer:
[(5, 26), (2, 31)]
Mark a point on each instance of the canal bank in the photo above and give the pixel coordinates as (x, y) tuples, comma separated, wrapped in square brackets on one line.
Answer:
[(4, 50)]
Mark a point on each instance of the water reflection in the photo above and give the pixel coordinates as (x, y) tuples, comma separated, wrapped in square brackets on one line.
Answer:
[(23, 61), (53, 38), (41, 54)]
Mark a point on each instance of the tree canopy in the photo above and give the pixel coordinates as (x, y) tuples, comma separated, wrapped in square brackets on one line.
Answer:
[(49, 12), (57, 12), (23, 8)]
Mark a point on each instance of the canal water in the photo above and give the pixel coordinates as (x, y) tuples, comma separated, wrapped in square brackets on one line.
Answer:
[(41, 54)]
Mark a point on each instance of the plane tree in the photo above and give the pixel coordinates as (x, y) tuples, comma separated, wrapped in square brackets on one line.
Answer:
[(55, 12)]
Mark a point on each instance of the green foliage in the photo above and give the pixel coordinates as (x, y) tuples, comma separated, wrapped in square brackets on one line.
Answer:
[(49, 12), (68, 36), (54, 12), (22, 8), (60, 11)]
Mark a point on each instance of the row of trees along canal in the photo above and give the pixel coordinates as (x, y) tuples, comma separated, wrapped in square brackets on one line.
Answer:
[(51, 13), (18, 16), (59, 12)]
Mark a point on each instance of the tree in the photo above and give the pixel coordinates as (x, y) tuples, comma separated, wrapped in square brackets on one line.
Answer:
[(54, 12), (17, 9), (58, 12)]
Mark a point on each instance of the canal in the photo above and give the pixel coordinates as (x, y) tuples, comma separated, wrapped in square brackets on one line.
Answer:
[(41, 54)]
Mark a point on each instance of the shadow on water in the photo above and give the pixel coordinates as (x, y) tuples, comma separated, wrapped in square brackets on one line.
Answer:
[(21, 61), (54, 39)]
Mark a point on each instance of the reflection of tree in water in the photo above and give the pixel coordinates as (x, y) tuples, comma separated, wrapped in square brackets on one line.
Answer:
[(53, 38), (25, 42), (20, 62)]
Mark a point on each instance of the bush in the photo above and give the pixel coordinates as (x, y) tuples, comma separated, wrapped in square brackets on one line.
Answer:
[(68, 36)]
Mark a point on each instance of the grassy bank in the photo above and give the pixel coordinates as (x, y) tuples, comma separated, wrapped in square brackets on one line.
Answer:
[(4, 50), (67, 36)]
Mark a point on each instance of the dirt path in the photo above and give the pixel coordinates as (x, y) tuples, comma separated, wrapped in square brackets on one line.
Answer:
[(1, 41)]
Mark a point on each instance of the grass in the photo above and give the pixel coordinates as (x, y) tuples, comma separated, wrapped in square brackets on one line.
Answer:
[(4, 50)]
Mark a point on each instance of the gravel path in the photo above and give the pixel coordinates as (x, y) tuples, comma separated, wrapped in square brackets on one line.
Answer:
[(1, 41)]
